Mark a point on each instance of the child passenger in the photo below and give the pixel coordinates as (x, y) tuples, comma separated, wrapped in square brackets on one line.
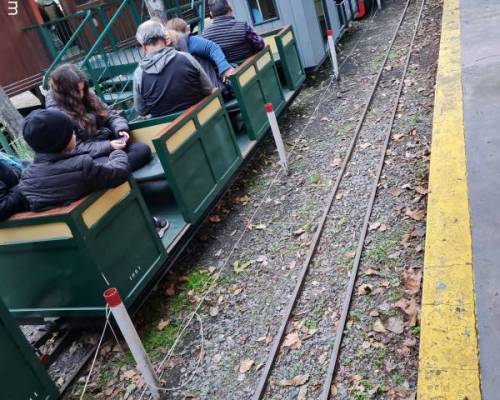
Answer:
[(99, 130), (58, 176)]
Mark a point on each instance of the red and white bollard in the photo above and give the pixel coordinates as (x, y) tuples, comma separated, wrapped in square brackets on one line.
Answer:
[(333, 53), (134, 343), (273, 122)]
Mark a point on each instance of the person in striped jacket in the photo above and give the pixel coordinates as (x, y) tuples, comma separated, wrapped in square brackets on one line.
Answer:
[(237, 39)]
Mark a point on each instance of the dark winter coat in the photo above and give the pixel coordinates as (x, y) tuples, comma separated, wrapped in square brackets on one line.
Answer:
[(106, 129), (11, 199), (167, 81), (54, 180), (236, 38)]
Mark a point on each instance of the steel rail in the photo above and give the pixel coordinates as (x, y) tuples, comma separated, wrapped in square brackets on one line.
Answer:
[(332, 364), (278, 338)]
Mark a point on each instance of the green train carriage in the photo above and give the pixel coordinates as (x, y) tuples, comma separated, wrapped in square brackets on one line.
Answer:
[(58, 263)]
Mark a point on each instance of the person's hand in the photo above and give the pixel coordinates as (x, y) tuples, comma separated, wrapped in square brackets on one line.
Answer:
[(117, 144), (227, 73), (124, 135)]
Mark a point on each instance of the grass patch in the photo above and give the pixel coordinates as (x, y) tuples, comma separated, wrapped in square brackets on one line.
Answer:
[(395, 294), (397, 379), (414, 118), (420, 171), (197, 281), (155, 339), (379, 356), (315, 179)]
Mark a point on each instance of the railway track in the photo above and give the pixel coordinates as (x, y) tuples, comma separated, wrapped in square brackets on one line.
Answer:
[(365, 144), (404, 25)]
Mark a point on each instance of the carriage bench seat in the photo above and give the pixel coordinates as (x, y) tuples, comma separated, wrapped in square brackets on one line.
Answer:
[(152, 171), (144, 131), (57, 263)]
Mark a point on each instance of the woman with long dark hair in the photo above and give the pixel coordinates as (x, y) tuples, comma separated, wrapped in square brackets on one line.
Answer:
[(100, 130)]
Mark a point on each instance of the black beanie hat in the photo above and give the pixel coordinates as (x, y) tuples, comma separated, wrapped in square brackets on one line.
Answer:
[(48, 131)]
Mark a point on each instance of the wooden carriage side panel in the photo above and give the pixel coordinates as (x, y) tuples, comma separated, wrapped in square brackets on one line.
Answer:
[(290, 59), (72, 254), (23, 376), (269, 81), (199, 154), (251, 100), (43, 267)]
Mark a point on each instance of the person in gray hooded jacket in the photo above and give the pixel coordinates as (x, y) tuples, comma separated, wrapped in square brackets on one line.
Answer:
[(166, 80)]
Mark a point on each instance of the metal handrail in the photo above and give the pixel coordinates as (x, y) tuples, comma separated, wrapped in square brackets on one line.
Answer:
[(104, 34), (69, 44), (52, 21)]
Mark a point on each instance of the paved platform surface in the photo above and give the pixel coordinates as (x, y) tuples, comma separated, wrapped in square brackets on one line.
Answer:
[(480, 40), (460, 336)]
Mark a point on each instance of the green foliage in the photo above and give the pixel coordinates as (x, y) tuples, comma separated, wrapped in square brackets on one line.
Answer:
[(379, 356)]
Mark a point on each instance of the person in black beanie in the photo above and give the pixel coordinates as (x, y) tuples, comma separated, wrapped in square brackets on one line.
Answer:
[(58, 176)]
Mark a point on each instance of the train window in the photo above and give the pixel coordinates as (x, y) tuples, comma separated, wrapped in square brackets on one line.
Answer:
[(262, 10)]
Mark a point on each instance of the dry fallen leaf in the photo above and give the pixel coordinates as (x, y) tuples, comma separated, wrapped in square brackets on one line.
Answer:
[(417, 215), (260, 227), (365, 289), (364, 145), (333, 390), (350, 254), (371, 271), (241, 200), (245, 365), (295, 381), (214, 311), (374, 313), (421, 190), (412, 281), (378, 326), (405, 239), (383, 228), (170, 290), (129, 374), (374, 225), (410, 308), (162, 324), (292, 340), (215, 219), (298, 232), (240, 267), (394, 191), (336, 162)]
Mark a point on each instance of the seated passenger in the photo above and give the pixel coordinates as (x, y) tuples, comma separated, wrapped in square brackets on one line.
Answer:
[(237, 39), (11, 199), (206, 52), (58, 175), (166, 80), (99, 130)]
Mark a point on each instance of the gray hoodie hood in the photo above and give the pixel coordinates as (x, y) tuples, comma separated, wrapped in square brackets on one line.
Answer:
[(155, 62)]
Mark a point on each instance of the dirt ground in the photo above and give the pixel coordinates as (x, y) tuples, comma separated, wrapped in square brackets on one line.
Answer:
[(210, 324)]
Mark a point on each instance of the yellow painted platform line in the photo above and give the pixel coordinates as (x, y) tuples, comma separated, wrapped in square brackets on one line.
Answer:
[(448, 360)]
